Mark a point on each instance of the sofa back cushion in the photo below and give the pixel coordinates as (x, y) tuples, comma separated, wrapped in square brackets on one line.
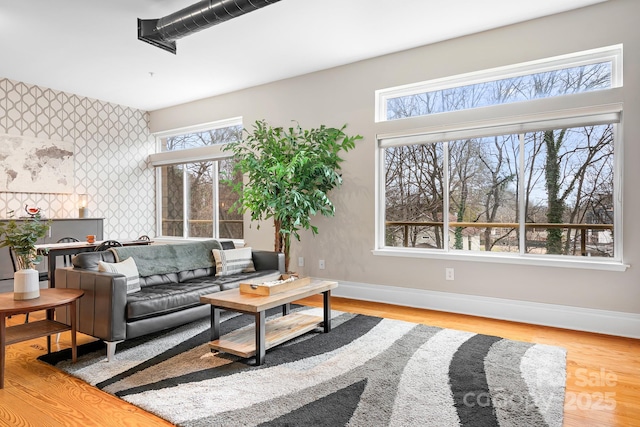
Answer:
[(159, 279), (89, 260), (187, 275)]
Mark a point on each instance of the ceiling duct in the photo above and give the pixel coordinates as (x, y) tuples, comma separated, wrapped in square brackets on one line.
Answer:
[(164, 31)]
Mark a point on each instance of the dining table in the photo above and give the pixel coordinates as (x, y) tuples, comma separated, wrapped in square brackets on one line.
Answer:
[(54, 250)]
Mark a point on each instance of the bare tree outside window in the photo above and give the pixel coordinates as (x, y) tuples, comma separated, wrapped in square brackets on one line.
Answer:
[(585, 78), (566, 183)]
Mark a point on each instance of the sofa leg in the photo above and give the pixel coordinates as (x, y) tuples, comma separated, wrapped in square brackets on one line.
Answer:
[(111, 349)]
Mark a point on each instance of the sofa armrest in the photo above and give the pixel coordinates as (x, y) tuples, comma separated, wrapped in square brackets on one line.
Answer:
[(268, 260), (102, 309)]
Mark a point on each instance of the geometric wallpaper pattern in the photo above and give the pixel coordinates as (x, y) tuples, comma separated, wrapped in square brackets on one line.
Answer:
[(111, 143)]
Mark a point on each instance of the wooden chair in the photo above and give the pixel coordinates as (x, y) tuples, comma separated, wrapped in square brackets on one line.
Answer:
[(66, 259), (107, 244), (144, 237)]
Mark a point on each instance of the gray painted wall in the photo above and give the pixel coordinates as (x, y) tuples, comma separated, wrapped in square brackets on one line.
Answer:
[(346, 95)]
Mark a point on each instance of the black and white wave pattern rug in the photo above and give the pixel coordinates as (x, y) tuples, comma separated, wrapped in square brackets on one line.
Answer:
[(367, 371)]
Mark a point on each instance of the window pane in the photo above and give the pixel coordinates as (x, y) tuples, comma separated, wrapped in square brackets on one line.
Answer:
[(200, 195), (202, 139), (414, 196), (230, 222), (172, 200), (569, 182), (565, 81), (483, 189)]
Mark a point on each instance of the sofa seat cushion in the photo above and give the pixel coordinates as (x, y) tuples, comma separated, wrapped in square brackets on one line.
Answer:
[(165, 298)]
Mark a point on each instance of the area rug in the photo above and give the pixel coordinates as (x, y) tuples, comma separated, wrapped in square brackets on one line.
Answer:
[(367, 371)]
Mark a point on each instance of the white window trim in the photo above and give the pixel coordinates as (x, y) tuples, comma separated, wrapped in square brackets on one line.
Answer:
[(233, 121), (531, 122), (190, 155), (588, 264), (609, 53)]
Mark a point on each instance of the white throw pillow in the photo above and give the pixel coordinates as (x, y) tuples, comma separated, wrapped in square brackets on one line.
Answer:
[(127, 267), (232, 261)]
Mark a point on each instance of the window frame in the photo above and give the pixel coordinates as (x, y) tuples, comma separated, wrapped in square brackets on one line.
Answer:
[(593, 56), (213, 153), (588, 108)]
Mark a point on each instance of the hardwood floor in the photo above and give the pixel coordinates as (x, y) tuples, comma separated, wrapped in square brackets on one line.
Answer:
[(602, 389)]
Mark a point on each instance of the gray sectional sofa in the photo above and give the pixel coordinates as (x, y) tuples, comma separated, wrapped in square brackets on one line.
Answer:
[(171, 280)]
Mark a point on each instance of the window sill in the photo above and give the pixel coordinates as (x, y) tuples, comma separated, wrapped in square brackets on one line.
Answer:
[(588, 263)]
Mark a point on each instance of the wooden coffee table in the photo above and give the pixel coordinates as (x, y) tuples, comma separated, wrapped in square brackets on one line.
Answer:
[(49, 299), (256, 341)]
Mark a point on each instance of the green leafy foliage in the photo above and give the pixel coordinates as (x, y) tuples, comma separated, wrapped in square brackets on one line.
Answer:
[(290, 173), (22, 237)]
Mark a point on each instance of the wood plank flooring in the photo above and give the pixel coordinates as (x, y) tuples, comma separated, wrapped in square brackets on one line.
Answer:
[(603, 374)]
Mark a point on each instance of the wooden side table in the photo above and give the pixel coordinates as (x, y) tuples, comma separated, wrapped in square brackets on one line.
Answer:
[(49, 299)]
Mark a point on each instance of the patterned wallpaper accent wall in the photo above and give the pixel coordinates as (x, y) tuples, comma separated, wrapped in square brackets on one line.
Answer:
[(111, 147)]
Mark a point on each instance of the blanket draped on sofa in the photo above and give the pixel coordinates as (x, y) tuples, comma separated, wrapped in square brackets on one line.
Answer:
[(166, 259)]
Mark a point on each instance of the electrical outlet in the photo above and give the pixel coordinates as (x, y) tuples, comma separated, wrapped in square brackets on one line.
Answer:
[(300, 261), (449, 273), (321, 264)]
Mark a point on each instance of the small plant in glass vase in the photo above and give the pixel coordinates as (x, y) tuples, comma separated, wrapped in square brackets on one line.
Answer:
[(21, 238)]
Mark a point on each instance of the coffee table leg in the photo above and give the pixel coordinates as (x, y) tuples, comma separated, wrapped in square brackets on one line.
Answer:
[(215, 323), (326, 299), (286, 308), (260, 338)]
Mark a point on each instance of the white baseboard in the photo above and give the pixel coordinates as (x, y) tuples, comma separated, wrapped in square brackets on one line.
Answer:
[(559, 316)]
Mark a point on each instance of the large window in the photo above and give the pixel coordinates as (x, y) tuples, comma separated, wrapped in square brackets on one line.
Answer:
[(559, 200), (538, 185), (195, 183), (581, 72)]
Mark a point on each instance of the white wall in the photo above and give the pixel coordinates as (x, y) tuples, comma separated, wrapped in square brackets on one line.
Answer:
[(346, 95)]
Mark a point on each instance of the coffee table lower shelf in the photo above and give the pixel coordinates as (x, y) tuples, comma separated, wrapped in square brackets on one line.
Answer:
[(242, 342)]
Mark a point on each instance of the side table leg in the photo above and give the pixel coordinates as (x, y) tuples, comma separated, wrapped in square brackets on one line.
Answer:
[(326, 299), (74, 319), (260, 338)]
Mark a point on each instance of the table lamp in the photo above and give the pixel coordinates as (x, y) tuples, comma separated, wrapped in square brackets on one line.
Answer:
[(82, 206)]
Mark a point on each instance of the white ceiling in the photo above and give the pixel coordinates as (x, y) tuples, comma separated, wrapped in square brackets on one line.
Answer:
[(90, 47)]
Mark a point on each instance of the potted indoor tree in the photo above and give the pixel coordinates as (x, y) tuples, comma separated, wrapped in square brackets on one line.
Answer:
[(21, 237), (289, 175)]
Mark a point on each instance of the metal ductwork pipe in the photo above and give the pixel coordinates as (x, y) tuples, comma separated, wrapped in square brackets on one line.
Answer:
[(164, 31)]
